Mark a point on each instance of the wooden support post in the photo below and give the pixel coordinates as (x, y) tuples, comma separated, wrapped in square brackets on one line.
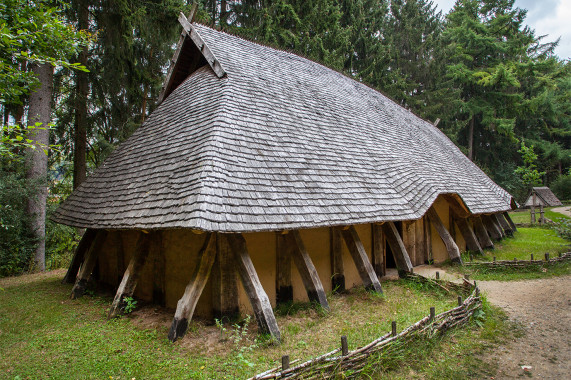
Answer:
[(491, 227), (394, 328), (400, 255), (497, 225), (88, 264), (409, 239), (187, 303), (258, 297), (504, 224), (420, 244), (284, 288), (379, 244), (336, 254), (510, 221), (451, 247), (432, 313), (364, 267), (120, 256), (427, 240), (482, 233), (533, 200), (306, 269), (468, 234), (158, 264), (285, 362), (224, 282), (79, 255), (344, 345), (451, 223), (541, 215), (132, 273)]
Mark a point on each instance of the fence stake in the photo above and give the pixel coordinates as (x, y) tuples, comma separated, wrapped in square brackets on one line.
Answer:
[(471, 257), (532, 257), (432, 313), (437, 275), (394, 328), (344, 346), (494, 259), (467, 276), (459, 300), (546, 256), (285, 362)]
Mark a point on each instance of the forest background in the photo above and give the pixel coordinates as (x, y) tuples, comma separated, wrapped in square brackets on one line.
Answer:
[(79, 77)]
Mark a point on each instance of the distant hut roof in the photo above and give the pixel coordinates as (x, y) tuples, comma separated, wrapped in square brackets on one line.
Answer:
[(544, 196), (274, 141)]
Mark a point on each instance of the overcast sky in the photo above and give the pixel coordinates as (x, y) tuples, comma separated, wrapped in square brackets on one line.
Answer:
[(551, 17)]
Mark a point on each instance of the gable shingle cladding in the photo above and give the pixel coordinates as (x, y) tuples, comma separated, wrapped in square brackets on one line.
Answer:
[(279, 143)]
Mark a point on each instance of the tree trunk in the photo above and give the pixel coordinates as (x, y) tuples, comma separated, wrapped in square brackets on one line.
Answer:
[(82, 88), (471, 139), (37, 160)]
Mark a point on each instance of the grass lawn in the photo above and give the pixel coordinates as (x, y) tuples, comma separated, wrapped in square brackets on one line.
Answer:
[(45, 334), (524, 216), (525, 242)]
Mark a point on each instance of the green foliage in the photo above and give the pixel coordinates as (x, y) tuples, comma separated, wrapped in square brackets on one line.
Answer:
[(563, 228), (129, 305), (529, 174), (561, 187), (33, 32), (16, 241)]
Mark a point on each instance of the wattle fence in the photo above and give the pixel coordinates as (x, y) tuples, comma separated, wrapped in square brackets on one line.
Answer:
[(351, 363), (515, 263)]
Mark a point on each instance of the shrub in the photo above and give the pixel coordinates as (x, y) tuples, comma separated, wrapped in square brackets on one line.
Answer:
[(561, 187), (16, 242)]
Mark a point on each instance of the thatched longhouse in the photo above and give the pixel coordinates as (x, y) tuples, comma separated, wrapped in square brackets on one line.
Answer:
[(263, 177)]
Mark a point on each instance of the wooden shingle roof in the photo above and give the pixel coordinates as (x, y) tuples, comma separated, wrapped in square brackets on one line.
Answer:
[(544, 196), (277, 142)]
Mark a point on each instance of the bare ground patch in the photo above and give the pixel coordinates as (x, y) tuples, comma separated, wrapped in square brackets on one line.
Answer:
[(543, 308)]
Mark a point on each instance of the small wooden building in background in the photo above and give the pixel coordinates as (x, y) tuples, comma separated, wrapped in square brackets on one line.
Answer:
[(543, 197), (263, 177)]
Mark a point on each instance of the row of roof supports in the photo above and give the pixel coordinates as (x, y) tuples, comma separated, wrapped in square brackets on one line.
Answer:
[(224, 255)]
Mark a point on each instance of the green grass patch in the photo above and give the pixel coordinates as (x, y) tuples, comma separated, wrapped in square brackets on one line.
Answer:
[(63, 338), (458, 354), (525, 242), (524, 216)]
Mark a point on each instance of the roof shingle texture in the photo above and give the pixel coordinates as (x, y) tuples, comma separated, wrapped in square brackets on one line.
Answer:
[(281, 142), (543, 193)]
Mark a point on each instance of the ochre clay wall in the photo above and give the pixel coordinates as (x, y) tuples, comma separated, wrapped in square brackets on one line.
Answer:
[(172, 269)]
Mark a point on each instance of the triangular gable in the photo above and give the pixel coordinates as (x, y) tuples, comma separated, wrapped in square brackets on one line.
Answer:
[(191, 53)]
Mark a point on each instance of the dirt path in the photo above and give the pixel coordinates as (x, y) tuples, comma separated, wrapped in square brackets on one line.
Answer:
[(565, 210), (543, 307)]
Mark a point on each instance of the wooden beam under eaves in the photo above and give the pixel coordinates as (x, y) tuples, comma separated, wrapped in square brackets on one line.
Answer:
[(79, 255), (357, 251), (187, 303), (467, 233), (88, 264), (400, 255), (284, 288), (306, 269), (510, 221), (258, 298), (491, 227), (336, 256), (504, 224), (451, 247), (481, 232), (224, 282), (132, 274)]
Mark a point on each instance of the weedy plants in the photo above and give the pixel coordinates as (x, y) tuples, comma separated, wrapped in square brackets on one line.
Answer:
[(130, 305)]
